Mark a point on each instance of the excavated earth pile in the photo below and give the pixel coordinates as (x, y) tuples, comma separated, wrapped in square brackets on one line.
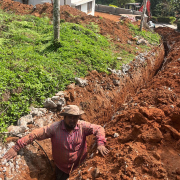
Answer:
[(143, 135), (138, 106)]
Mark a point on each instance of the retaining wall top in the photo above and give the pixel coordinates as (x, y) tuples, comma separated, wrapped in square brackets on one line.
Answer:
[(112, 10)]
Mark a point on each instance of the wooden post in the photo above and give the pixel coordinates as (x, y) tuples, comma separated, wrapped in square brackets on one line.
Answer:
[(143, 14), (56, 20)]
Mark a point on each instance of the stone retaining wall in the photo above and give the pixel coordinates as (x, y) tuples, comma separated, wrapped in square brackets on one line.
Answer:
[(115, 11)]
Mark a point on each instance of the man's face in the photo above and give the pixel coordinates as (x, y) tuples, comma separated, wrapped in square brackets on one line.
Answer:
[(71, 121)]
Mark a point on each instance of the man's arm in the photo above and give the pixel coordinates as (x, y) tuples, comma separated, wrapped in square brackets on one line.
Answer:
[(99, 132), (39, 134)]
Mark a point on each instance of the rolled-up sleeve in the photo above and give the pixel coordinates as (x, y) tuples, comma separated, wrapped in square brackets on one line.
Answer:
[(96, 130), (39, 134)]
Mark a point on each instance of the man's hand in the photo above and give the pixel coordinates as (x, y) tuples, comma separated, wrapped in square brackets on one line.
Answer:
[(10, 154), (103, 150)]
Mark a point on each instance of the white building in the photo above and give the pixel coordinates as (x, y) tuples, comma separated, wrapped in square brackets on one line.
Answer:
[(87, 6)]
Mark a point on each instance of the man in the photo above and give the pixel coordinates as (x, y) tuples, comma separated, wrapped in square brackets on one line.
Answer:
[(68, 138)]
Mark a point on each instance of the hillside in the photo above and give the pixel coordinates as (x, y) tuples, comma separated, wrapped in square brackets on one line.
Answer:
[(33, 69), (138, 105)]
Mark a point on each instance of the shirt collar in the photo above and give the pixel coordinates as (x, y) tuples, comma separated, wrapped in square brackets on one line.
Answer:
[(63, 126)]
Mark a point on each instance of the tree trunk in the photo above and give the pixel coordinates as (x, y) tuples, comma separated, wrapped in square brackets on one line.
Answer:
[(56, 20), (143, 14)]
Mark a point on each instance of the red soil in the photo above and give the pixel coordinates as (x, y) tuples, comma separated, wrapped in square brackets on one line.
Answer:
[(148, 126), (144, 109)]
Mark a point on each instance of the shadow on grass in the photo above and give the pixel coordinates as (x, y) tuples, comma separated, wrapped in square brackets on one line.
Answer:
[(54, 46)]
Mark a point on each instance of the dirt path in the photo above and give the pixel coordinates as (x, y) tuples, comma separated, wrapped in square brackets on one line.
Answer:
[(141, 111)]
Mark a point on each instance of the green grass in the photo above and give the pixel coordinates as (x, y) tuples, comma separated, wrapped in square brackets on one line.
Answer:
[(32, 68), (153, 38)]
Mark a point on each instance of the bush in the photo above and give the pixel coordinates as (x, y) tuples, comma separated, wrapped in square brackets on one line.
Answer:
[(154, 19), (172, 19), (169, 20), (113, 5)]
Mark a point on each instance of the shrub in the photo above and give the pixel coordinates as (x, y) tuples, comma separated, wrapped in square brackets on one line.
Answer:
[(170, 19), (113, 5), (154, 19)]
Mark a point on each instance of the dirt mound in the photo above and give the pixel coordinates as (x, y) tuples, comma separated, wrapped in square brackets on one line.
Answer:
[(142, 130)]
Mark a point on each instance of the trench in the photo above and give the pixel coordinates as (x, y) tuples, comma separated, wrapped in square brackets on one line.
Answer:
[(103, 101), (136, 81), (166, 50), (104, 105), (158, 63)]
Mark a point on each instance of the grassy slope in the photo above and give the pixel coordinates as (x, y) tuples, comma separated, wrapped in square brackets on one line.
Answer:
[(32, 68)]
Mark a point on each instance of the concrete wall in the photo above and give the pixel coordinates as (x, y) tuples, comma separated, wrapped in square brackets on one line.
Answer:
[(115, 11)]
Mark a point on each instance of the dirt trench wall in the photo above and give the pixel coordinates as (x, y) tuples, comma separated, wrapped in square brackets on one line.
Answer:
[(100, 99), (104, 93), (143, 137)]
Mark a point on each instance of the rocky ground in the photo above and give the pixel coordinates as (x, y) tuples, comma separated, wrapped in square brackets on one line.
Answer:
[(138, 106)]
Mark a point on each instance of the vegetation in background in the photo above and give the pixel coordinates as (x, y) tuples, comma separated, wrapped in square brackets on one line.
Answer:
[(158, 7), (32, 68), (113, 5)]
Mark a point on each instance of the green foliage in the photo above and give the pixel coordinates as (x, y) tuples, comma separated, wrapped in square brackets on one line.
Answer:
[(113, 5), (170, 20), (154, 18), (165, 8), (152, 38), (33, 68), (94, 27)]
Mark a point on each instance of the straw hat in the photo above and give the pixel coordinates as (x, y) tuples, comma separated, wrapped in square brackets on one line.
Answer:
[(71, 110)]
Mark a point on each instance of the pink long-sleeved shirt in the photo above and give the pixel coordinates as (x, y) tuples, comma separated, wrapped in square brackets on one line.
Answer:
[(68, 149)]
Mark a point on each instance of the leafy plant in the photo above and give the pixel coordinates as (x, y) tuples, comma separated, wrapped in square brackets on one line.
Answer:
[(172, 19), (113, 5)]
